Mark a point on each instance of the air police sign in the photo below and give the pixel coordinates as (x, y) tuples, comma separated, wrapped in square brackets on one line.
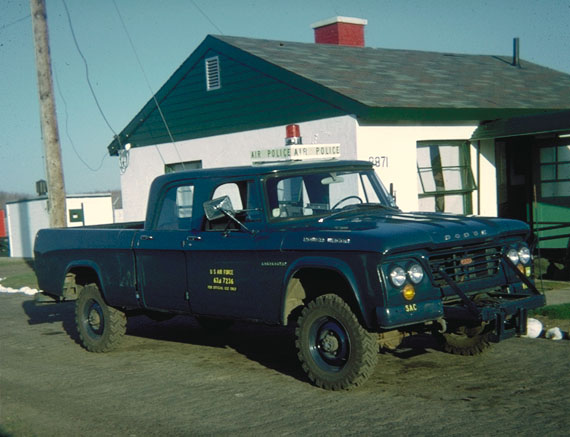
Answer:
[(296, 152)]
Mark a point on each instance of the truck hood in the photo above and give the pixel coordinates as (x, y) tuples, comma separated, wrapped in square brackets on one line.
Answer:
[(391, 231)]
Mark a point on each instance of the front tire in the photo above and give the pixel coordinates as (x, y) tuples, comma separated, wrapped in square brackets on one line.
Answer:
[(100, 326), (336, 352), (466, 340)]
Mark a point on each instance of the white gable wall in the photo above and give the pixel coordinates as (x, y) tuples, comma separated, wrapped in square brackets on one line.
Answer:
[(146, 163), (393, 150)]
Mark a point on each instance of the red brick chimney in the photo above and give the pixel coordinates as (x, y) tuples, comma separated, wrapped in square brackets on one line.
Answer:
[(343, 31)]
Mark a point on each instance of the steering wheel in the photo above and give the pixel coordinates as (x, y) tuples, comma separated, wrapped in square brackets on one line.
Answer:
[(344, 199)]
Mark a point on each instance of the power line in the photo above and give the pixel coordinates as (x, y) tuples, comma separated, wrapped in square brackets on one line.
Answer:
[(150, 89), (144, 75), (206, 17), (87, 71), (19, 20), (159, 109), (94, 170)]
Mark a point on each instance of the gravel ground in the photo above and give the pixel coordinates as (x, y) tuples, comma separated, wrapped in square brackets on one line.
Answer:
[(174, 378)]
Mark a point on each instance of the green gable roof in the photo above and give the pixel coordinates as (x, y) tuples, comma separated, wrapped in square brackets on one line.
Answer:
[(267, 83)]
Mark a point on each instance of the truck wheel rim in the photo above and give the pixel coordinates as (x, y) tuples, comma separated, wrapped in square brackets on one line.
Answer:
[(329, 344), (95, 319)]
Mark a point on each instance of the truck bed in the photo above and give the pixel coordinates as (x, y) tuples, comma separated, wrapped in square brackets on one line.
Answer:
[(107, 249)]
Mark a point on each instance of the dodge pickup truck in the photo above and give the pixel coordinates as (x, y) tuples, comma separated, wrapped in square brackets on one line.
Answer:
[(320, 246)]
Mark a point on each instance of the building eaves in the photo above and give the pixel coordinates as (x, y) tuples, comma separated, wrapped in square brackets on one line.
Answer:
[(217, 45), (384, 85)]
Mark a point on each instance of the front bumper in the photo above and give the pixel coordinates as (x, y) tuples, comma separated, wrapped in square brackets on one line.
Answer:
[(506, 312), (410, 314)]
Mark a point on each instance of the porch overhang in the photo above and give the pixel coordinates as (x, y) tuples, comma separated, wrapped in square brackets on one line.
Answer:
[(557, 122)]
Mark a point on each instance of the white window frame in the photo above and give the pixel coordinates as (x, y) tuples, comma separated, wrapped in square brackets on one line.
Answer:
[(459, 174)]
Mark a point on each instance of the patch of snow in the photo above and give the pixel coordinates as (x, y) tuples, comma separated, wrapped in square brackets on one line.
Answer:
[(554, 334), (26, 290), (533, 328)]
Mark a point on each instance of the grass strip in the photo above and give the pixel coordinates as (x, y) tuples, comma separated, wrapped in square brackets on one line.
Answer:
[(561, 311), (17, 273)]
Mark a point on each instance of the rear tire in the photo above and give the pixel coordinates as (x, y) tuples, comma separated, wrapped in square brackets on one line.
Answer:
[(100, 326), (336, 352)]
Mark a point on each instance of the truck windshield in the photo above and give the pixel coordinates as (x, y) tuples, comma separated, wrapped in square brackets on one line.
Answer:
[(323, 193)]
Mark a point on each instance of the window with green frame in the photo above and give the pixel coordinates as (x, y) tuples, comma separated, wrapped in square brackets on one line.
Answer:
[(445, 178), (555, 171)]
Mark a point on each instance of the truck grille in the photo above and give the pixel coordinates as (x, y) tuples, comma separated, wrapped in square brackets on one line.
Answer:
[(465, 264)]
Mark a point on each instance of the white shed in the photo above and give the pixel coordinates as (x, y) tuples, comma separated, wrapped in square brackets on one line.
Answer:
[(26, 217)]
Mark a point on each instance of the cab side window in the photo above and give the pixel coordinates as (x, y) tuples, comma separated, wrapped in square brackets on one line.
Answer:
[(176, 211), (244, 202), (234, 191)]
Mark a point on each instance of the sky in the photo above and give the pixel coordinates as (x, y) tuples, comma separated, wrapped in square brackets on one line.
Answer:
[(165, 32)]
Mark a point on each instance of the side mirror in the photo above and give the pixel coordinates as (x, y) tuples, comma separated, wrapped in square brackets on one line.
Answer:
[(218, 208)]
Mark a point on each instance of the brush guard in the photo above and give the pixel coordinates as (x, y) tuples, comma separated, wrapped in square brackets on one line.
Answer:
[(508, 312)]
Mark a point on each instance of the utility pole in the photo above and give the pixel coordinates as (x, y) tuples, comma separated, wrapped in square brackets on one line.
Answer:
[(54, 170)]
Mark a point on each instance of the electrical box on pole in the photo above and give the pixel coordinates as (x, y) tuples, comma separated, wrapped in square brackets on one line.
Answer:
[(54, 169)]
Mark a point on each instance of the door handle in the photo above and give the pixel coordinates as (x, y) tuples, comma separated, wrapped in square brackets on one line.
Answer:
[(190, 239), (147, 237)]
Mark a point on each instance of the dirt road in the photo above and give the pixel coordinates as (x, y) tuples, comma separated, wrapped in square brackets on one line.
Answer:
[(174, 378)]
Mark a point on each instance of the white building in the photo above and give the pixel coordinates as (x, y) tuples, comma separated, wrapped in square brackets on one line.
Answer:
[(393, 149), (26, 217), (412, 113)]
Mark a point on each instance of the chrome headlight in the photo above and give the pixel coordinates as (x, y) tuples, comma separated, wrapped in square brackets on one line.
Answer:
[(524, 255), (415, 273), (513, 255), (397, 276)]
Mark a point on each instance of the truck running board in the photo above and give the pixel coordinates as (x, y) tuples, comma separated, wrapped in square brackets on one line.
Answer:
[(43, 299)]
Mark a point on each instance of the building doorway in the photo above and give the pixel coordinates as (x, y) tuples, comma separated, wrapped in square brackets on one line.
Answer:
[(533, 185), (514, 178)]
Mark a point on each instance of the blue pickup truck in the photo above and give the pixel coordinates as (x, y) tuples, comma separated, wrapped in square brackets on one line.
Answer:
[(318, 245)]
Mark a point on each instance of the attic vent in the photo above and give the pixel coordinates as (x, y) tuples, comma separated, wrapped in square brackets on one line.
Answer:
[(213, 80)]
